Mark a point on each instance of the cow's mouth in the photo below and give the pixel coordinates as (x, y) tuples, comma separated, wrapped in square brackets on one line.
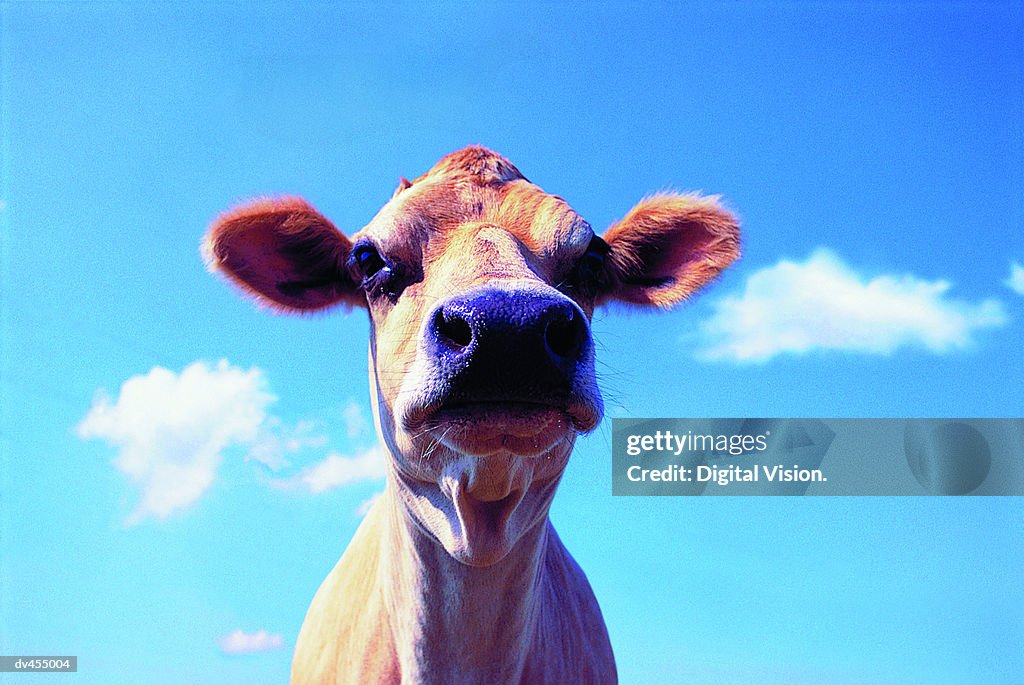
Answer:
[(490, 427)]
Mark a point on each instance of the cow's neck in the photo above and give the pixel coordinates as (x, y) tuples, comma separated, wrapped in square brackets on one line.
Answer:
[(457, 623)]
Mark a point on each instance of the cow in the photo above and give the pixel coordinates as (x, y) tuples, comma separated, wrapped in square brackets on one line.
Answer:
[(480, 289)]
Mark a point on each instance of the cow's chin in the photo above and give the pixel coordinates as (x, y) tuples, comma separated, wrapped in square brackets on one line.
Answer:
[(507, 428), (480, 508), (479, 499), (479, 476)]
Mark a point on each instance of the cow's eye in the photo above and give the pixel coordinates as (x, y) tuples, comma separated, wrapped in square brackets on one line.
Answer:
[(377, 275), (366, 259), (591, 264), (589, 273)]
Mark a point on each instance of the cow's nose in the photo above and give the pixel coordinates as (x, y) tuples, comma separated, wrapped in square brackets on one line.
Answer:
[(492, 318), (515, 342)]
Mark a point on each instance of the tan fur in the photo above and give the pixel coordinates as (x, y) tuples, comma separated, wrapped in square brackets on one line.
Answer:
[(671, 220), (456, 575), (244, 245)]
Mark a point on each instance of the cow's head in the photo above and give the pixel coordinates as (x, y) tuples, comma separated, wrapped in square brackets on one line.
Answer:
[(480, 289)]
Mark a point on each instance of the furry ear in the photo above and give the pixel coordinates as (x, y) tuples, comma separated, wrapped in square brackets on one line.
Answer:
[(669, 247), (284, 254)]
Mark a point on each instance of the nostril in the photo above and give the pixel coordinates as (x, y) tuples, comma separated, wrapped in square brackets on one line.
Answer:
[(452, 329), (564, 336)]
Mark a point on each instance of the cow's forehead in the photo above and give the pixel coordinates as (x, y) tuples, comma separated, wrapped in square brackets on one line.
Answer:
[(545, 223), (439, 205)]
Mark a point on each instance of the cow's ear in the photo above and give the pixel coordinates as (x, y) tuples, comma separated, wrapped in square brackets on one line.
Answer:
[(284, 254), (667, 248)]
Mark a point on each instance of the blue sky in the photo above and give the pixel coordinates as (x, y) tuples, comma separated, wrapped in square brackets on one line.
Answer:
[(181, 470)]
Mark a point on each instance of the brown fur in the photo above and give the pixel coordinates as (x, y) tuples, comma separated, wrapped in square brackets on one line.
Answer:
[(265, 244), (669, 246)]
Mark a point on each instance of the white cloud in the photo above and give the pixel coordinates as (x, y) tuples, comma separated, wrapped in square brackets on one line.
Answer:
[(171, 430), (364, 507), (823, 304), (1015, 281), (355, 422), (240, 642), (277, 440), (336, 471)]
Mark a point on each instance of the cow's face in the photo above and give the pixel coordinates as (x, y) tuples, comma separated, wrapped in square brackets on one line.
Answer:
[(480, 288)]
